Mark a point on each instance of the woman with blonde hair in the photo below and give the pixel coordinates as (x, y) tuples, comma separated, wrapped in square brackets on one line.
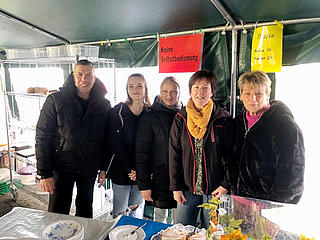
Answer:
[(265, 148), (123, 122), (152, 150)]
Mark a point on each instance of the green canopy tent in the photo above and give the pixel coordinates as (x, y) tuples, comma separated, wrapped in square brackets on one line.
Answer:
[(128, 30)]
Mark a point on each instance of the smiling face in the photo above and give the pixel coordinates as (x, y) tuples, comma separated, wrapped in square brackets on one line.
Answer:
[(201, 93), (169, 93), (84, 79), (255, 99), (136, 89)]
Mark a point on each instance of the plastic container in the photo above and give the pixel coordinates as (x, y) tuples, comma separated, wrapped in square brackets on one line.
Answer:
[(28, 179), (73, 50), (28, 175), (84, 50), (18, 53), (59, 51), (39, 52)]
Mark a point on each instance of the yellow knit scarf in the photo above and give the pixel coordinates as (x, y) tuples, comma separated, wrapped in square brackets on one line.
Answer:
[(198, 121)]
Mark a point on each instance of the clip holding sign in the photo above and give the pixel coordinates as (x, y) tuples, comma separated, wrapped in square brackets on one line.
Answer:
[(225, 28), (244, 31)]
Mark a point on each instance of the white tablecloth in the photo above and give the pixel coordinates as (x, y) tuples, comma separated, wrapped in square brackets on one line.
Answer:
[(25, 223)]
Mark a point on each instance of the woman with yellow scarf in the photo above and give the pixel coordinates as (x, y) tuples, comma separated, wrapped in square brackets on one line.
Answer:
[(195, 162)]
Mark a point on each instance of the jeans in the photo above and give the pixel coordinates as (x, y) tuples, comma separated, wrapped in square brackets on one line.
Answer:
[(161, 215), (187, 213), (125, 196)]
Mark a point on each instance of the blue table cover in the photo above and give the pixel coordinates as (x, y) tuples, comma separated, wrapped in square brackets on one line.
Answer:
[(150, 228)]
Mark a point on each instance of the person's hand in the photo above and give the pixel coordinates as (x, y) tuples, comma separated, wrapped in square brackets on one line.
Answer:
[(132, 175), (218, 192), (146, 194), (101, 178), (47, 185), (179, 197)]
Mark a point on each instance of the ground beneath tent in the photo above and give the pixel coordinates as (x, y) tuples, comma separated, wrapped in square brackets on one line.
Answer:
[(26, 198), (31, 197)]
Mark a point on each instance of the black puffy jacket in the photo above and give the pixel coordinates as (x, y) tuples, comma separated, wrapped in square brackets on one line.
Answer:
[(69, 138), (152, 163), (266, 161), (181, 153)]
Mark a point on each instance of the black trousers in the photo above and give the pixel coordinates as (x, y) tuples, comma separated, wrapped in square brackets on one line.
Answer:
[(60, 201)]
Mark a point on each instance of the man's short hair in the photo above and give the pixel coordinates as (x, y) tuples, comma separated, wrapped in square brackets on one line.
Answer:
[(84, 62)]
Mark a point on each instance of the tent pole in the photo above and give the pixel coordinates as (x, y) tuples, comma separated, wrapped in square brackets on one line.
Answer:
[(234, 55), (225, 14), (234, 71), (285, 22), (210, 29)]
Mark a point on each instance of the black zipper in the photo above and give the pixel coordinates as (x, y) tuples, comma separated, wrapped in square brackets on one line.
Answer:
[(245, 137)]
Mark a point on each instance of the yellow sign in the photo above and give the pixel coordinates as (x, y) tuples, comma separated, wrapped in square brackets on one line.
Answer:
[(266, 52)]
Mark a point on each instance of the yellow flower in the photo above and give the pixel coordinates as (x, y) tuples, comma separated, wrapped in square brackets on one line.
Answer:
[(235, 235), (303, 237)]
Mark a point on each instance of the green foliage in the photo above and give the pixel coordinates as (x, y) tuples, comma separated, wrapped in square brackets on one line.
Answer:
[(266, 236), (208, 206), (212, 204), (230, 223)]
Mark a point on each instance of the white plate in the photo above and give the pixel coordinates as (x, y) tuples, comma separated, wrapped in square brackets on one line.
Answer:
[(63, 230), (4, 172), (177, 227), (122, 232), (2, 177)]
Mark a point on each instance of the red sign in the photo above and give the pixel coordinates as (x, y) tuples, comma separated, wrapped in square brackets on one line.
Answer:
[(180, 54)]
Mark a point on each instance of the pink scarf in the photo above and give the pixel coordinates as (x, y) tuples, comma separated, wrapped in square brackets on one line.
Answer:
[(253, 119)]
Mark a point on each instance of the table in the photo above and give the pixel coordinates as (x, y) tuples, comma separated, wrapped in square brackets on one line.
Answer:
[(150, 228), (25, 223)]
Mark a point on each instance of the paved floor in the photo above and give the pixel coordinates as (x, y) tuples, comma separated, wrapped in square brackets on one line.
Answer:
[(26, 198), (29, 197)]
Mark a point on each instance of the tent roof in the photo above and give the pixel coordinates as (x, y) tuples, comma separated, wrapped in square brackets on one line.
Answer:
[(77, 21)]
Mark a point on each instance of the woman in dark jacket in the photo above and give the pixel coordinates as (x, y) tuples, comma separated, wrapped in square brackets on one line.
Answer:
[(266, 148), (195, 164), (152, 149), (124, 119)]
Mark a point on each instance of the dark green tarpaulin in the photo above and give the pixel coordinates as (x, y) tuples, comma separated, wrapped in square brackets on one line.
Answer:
[(301, 44), (145, 53), (142, 53)]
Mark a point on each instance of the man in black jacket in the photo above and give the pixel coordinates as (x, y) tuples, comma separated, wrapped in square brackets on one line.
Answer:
[(70, 141)]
